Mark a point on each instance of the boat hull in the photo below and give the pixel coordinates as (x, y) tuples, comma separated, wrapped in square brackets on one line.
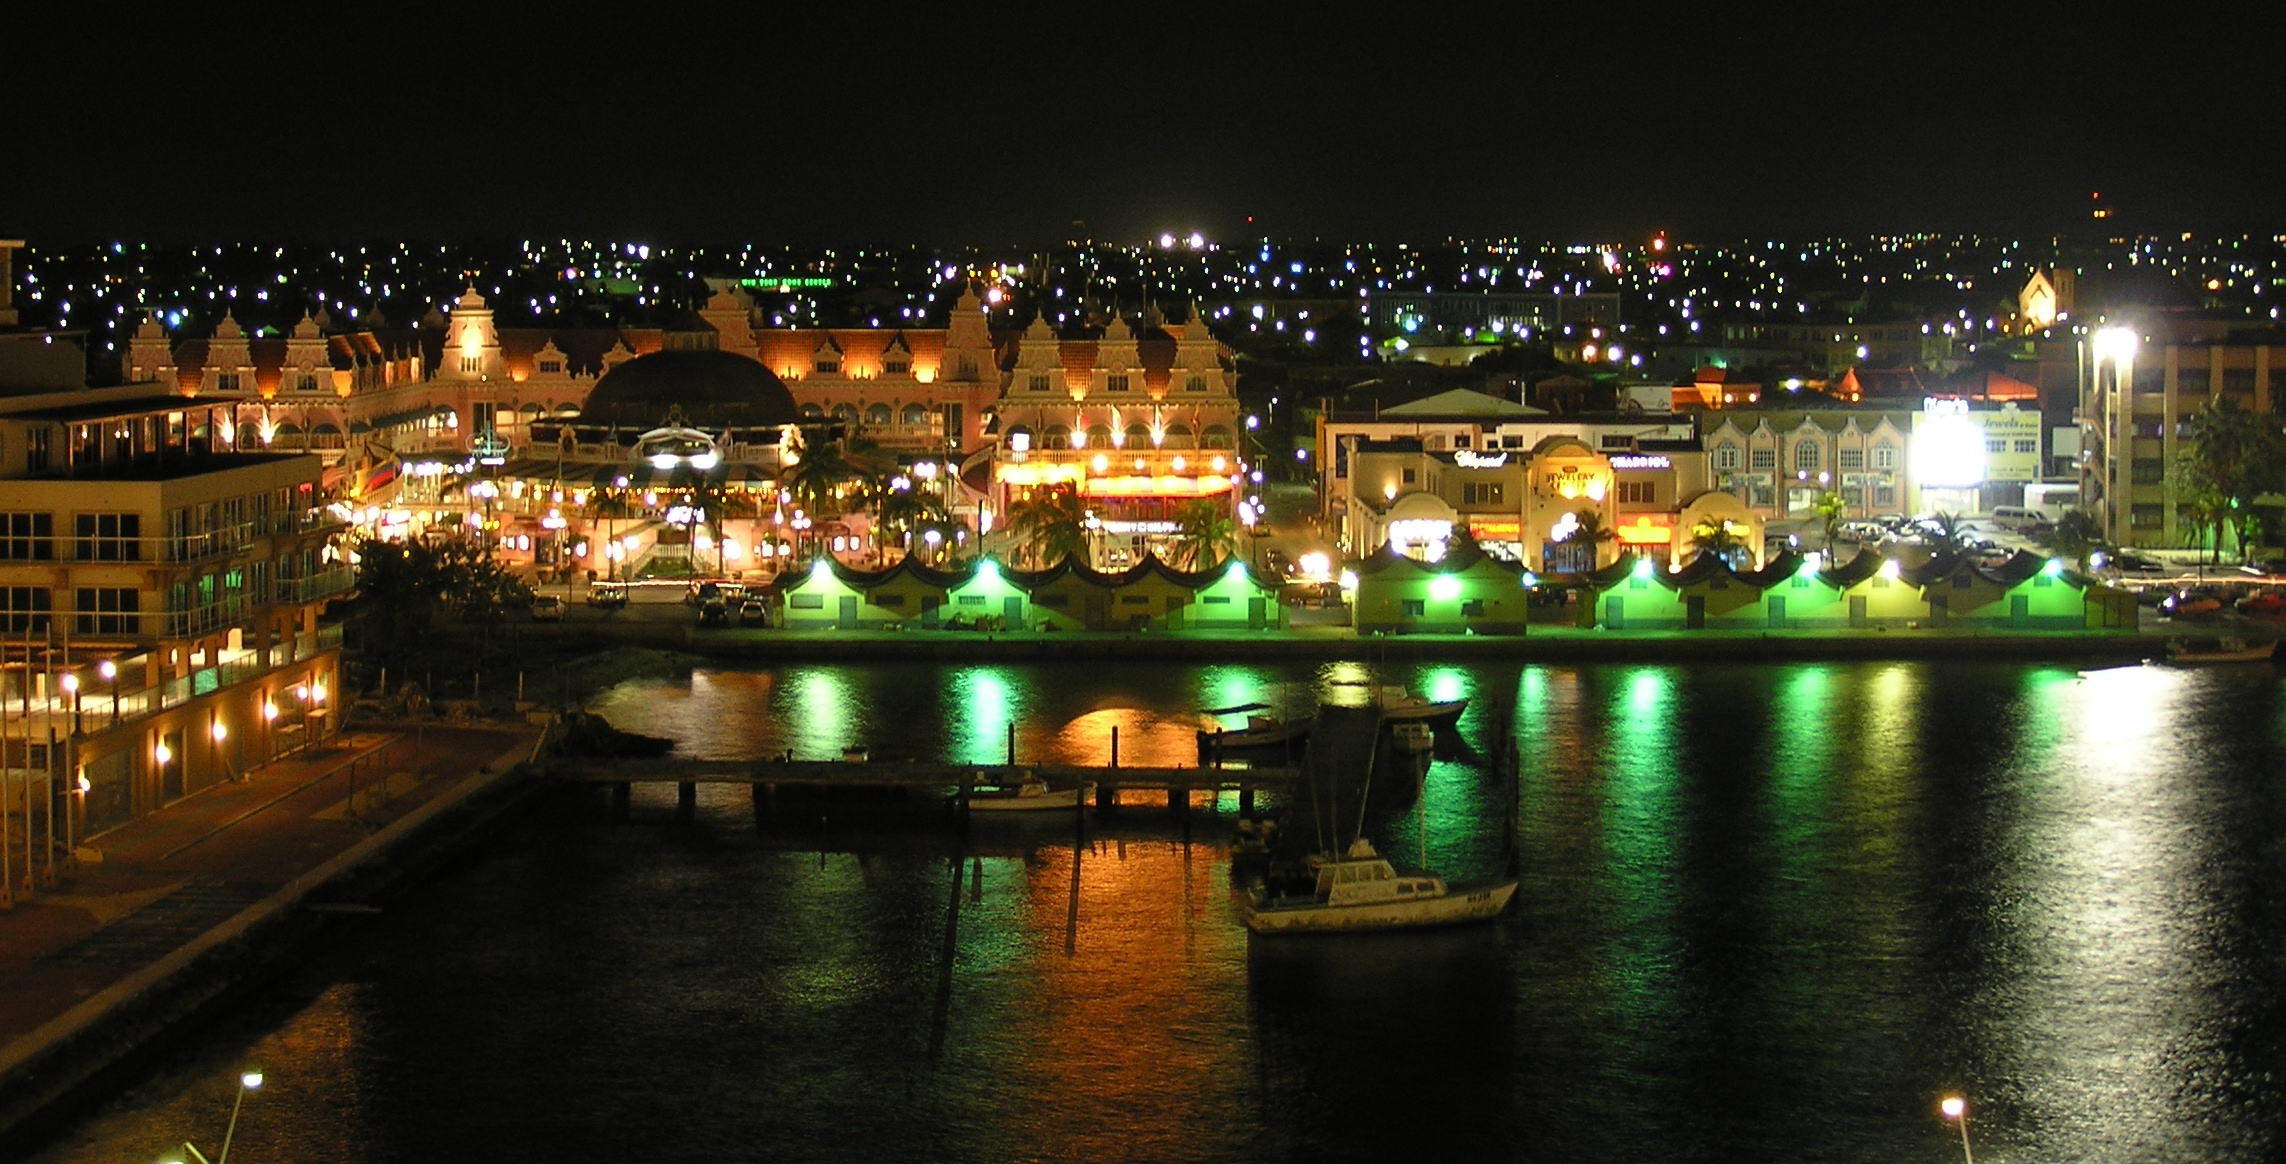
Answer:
[(1425, 712), (1476, 903), (1060, 800)]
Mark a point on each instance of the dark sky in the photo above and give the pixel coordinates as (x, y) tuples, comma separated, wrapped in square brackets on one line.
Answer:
[(1397, 122)]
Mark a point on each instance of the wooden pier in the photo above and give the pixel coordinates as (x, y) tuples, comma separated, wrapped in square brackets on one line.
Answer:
[(767, 777)]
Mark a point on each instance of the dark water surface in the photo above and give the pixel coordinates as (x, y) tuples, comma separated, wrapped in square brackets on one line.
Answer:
[(1769, 912)]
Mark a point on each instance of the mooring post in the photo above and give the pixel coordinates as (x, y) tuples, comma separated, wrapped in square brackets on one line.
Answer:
[(1106, 796), (1011, 743), (686, 800), (761, 798), (1246, 800), (1115, 745), (622, 797)]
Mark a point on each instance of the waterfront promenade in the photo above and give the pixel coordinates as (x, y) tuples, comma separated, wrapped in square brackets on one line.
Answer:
[(187, 904)]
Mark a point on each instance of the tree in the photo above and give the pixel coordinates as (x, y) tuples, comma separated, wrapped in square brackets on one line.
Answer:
[(1049, 524), (1830, 509), (1719, 537), (2233, 457), (1206, 536), (401, 587), (2077, 535), (1948, 534), (908, 513), (1589, 532)]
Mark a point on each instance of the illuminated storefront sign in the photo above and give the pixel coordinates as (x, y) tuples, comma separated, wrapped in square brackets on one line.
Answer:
[(1647, 530), (1468, 459), (1645, 461), (1948, 446), (1495, 529)]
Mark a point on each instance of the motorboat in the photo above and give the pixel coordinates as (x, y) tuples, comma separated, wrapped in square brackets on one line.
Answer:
[(1360, 890), (1027, 795), (1262, 731), (1399, 704), (2222, 650)]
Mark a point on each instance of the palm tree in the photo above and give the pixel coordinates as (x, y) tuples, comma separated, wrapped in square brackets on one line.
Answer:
[(1588, 530), (605, 507), (1949, 535), (906, 512), (1719, 537), (1830, 509), (1206, 534), (1049, 525)]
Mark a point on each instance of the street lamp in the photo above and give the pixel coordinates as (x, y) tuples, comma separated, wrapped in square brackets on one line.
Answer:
[(247, 1081), (1955, 1109), (71, 688), (110, 672)]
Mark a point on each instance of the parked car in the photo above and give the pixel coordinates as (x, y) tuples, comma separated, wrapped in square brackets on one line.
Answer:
[(547, 608), (700, 592), (2131, 563), (608, 595), (753, 613), (714, 612), (2268, 604), (2191, 604)]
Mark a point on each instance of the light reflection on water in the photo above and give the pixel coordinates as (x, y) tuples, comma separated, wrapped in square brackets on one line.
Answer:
[(1767, 911)]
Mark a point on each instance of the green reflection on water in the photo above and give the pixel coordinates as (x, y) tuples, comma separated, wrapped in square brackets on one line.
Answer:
[(1639, 838), (986, 702), (820, 699), (1445, 684)]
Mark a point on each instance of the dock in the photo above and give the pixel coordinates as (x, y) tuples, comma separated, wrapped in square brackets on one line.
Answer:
[(767, 777)]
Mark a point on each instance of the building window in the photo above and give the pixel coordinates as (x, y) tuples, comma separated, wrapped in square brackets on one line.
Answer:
[(1996, 446), (24, 608), (1766, 459), (1885, 497), (1852, 459), (2147, 516), (109, 537), (1488, 493), (896, 366), (1726, 456), (36, 449), (2028, 446), (306, 381), (472, 364), (551, 367), (1039, 381), (971, 600), (1115, 383), (27, 537), (1806, 455), (107, 611), (226, 381), (1885, 456), (1409, 475), (1195, 384), (1472, 608), (1636, 492), (1413, 607), (828, 367), (2149, 471)]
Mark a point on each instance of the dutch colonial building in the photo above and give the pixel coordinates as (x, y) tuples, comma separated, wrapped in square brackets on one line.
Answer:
[(1777, 463), (1140, 421)]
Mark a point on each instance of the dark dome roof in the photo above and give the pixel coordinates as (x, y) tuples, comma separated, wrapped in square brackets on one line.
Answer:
[(714, 389)]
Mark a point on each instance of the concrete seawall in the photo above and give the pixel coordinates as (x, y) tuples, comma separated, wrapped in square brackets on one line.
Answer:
[(52, 1074)]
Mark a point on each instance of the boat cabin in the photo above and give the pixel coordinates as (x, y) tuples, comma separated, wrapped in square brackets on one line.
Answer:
[(1359, 882)]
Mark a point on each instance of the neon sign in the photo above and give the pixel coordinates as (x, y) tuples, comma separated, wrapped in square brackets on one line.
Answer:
[(1646, 461), (1470, 459)]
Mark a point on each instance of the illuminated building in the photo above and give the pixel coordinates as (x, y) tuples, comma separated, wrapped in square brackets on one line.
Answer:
[(159, 595), (2137, 401), (1139, 421), (1778, 462)]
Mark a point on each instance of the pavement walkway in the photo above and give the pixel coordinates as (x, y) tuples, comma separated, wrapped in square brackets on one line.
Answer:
[(172, 876)]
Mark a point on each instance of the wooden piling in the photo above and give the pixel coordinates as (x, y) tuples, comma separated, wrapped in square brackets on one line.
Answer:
[(622, 800), (1246, 800), (686, 800), (1115, 745)]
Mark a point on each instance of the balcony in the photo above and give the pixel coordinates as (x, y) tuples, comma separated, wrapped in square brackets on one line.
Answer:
[(325, 584), (99, 701), (212, 544)]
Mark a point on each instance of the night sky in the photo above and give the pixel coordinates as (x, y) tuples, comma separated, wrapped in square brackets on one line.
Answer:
[(1398, 123)]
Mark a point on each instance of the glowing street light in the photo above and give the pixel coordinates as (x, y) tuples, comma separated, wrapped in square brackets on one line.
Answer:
[(110, 672), (1955, 1109), (247, 1081)]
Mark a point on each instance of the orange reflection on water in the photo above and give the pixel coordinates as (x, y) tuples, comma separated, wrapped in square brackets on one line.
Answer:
[(1146, 738)]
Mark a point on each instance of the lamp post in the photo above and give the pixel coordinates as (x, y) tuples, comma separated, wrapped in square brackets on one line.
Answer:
[(164, 755), (247, 1081), (71, 688), (1956, 1109), (219, 733), (110, 672)]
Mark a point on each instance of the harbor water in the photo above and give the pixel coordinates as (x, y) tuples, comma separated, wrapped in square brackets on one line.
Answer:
[(1768, 911)]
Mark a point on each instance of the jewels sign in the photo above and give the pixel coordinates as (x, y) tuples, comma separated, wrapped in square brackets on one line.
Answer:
[(1470, 459)]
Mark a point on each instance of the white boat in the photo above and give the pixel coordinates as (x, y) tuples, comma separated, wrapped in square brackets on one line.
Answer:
[(1261, 731), (1025, 796), (2224, 650), (1400, 704), (1412, 737), (1361, 891)]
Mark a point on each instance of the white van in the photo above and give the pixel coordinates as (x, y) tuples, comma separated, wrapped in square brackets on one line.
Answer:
[(2016, 516)]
